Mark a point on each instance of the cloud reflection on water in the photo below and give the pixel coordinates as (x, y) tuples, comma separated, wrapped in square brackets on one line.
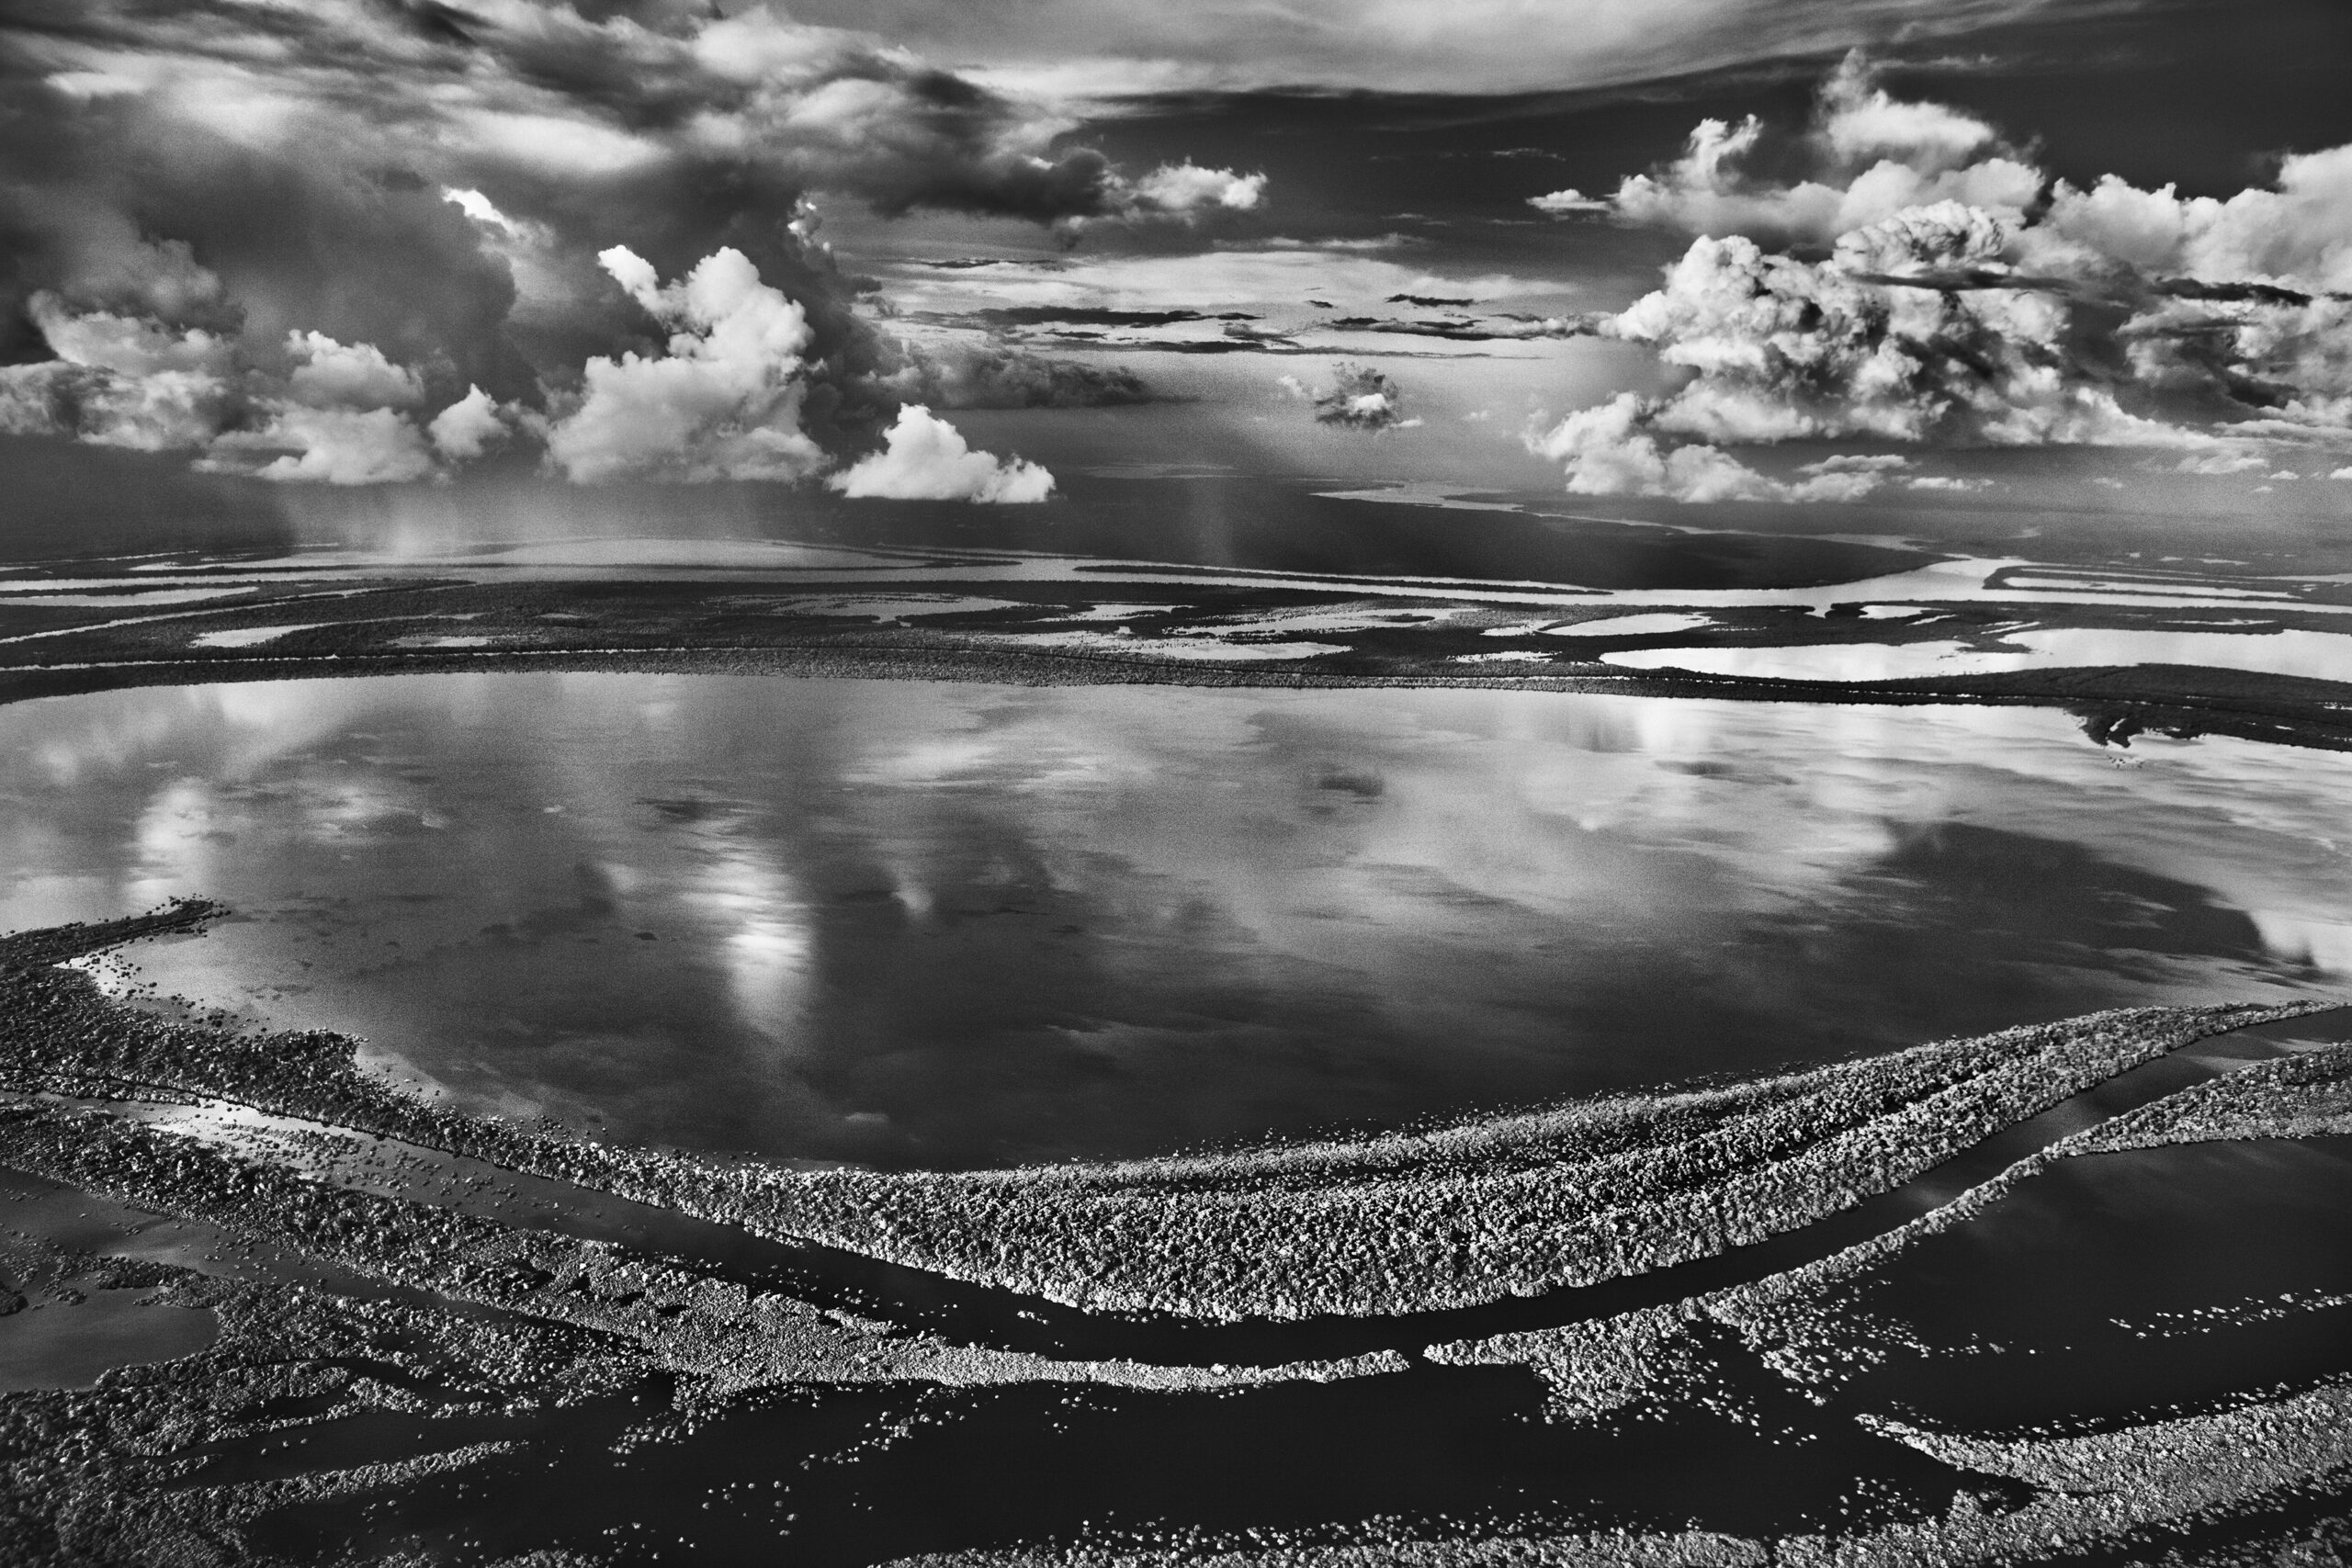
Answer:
[(958, 923)]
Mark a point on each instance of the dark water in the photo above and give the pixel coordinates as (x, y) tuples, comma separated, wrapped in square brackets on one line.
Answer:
[(2129, 1287), (951, 925)]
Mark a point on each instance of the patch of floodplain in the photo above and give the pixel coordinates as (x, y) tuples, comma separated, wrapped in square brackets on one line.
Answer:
[(1657, 624), (2318, 656), (2043, 581), (1191, 649), (1113, 611), (251, 637), (1356, 615), (134, 600), (651, 553), (1426, 493), (1970, 580), (907, 607), (753, 553), (315, 1151)]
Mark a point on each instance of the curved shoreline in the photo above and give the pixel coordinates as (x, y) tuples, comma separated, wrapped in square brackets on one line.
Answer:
[(1745, 1180)]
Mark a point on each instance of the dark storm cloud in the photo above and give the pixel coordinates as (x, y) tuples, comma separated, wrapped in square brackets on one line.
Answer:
[(539, 93), (116, 203), (203, 205)]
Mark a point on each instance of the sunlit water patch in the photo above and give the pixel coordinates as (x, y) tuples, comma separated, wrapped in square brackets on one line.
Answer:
[(954, 924)]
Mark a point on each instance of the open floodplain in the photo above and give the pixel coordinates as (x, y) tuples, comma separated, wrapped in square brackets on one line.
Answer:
[(579, 1117)]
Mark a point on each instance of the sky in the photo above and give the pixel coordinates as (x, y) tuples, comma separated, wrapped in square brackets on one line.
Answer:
[(741, 257)]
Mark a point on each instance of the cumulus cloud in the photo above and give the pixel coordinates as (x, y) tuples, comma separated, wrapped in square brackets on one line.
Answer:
[(926, 458), (339, 416), (315, 409), (328, 374), (1571, 204), (1181, 190), (1928, 283), (2299, 232), (1875, 156), (2284, 356), (1874, 463), (1786, 349), (328, 445), (2223, 463), (118, 380), (126, 345), (483, 210), (166, 412), (1358, 398), (1872, 156), (468, 427), (1609, 449), (723, 402)]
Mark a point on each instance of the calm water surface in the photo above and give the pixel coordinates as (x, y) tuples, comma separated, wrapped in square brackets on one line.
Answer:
[(956, 924)]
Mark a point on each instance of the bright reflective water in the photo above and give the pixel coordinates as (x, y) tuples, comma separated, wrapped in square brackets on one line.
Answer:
[(953, 924)]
